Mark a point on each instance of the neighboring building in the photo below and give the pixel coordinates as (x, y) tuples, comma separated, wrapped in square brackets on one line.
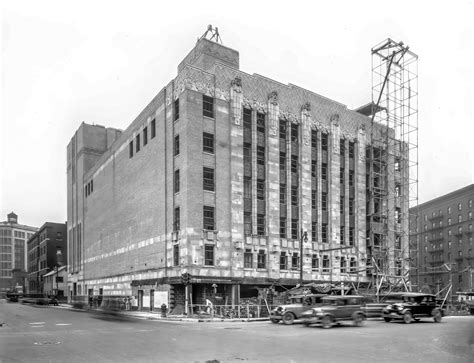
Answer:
[(55, 282), (441, 235), (217, 177), (13, 256), (47, 249)]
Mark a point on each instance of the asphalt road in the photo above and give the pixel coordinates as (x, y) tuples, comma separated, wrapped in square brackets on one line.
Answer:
[(49, 334)]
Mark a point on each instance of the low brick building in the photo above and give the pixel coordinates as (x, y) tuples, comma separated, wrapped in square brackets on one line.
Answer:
[(222, 176)]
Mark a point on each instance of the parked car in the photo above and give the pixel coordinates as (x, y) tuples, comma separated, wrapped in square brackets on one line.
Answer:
[(298, 304), (38, 299), (413, 307), (335, 309)]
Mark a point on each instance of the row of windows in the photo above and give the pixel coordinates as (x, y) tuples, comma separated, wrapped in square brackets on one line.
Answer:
[(89, 188), (440, 223), (138, 138), (440, 212)]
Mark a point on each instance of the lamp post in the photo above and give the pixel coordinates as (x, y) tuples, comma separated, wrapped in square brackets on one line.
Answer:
[(303, 238), (57, 274)]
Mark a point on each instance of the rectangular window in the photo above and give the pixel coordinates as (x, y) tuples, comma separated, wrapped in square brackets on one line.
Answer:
[(283, 261), (351, 150), (176, 181), (324, 142), (248, 258), (282, 161), (324, 171), (130, 149), (294, 163), (261, 259), (176, 109), (176, 145), (261, 224), (176, 219), (294, 196), (247, 223), (342, 147), (351, 206), (176, 255), (260, 122), (313, 199), (343, 265), (207, 106), (260, 155), (59, 279), (247, 153), (314, 139), (341, 176), (247, 118), (282, 129), (208, 179), (341, 205), (324, 233), (351, 236), (137, 143), (324, 202), (260, 189), (314, 232), (314, 262), (153, 128), (294, 133), (208, 143), (325, 263), (145, 135), (209, 255), (208, 214), (353, 265), (247, 188), (282, 227), (313, 168), (351, 178), (342, 232), (294, 229), (295, 261)]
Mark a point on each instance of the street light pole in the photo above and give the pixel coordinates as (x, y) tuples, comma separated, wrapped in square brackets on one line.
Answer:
[(304, 238)]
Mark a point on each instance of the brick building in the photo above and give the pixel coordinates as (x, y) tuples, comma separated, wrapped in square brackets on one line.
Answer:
[(222, 175), (47, 249), (441, 234), (13, 255)]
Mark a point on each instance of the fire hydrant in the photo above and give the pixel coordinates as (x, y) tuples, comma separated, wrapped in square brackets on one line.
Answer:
[(163, 310)]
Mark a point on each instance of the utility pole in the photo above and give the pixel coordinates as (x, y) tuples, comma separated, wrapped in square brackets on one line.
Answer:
[(303, 238)]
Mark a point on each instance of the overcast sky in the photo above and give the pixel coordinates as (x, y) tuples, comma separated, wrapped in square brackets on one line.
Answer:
[(102, 62)]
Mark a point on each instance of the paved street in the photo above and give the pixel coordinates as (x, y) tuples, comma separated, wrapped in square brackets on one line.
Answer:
[(44, 334)]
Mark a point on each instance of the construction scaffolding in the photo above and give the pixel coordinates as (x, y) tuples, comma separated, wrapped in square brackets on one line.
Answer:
[(392, 163)]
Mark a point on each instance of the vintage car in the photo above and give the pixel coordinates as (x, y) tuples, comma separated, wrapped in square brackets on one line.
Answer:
[(298, 304), (335, 309), (414, 306)]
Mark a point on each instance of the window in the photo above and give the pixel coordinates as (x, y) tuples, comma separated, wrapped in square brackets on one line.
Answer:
[(261, 224), (176, 145), (282, 227), (469, 215), (207, 106), (209, 255), (208, 220), (208, 143), (260, 155), (351, 150), (398, 242), (176, 255), (295, 261), (208, 179), (145, 135), (460, 206), (294, 133), (261, 259), (247, 153), (351, 178), (343, 265), (282, 194), (351, 236), (130, 149), (260, 122), (282, 129), (449, 221), (137, 143), (324, 171), (353, 265), (247, 224), (449, 210), (176, 109), (176, 181), (294, 229), (396, 163), (248, 258), (59, 279), (153, 128), (341, 205), (294, 196), (314, 139), (342, 147), (314, 262), (294, 163), (314, 231), (324, 201), (341, 230), (341, 175), (324, 233), (459, 218), (283, 261), (247, 118), (282, 161), (351, 206), (260, 189), (325, 263), (313, 199), (324, 142), (313, 168), (176, 219)]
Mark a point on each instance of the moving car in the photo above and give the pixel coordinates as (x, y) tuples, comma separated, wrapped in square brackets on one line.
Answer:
[(335, 309), (298, 304), (414, 306)]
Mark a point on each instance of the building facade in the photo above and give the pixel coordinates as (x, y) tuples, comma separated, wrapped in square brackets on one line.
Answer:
[(233, 178), (47, 249), (55, 282), (441, 235), (13, 252)]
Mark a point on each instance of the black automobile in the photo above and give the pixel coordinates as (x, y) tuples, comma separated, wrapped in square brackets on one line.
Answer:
[(413, 307), (298, 304)]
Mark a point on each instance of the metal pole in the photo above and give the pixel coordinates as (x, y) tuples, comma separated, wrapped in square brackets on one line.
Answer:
[(57, 274), (301, 258)]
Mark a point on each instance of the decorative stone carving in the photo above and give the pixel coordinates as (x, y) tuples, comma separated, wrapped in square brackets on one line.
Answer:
[(361, 142), (336, 133), (273, 112), (306, 122), (273, 98), (288, 116), (236, 84), (236, 97)]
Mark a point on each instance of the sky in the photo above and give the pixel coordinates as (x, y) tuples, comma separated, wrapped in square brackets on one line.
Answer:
[(64, 63)]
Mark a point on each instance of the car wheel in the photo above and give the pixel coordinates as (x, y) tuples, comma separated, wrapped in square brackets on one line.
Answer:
[(274, 321), (358, 320), (288, 318), (387, 320), (326, 322), (436, 315), (407, 317)]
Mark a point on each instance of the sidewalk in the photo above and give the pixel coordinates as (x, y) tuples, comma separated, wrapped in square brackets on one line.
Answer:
[(155, 315)]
